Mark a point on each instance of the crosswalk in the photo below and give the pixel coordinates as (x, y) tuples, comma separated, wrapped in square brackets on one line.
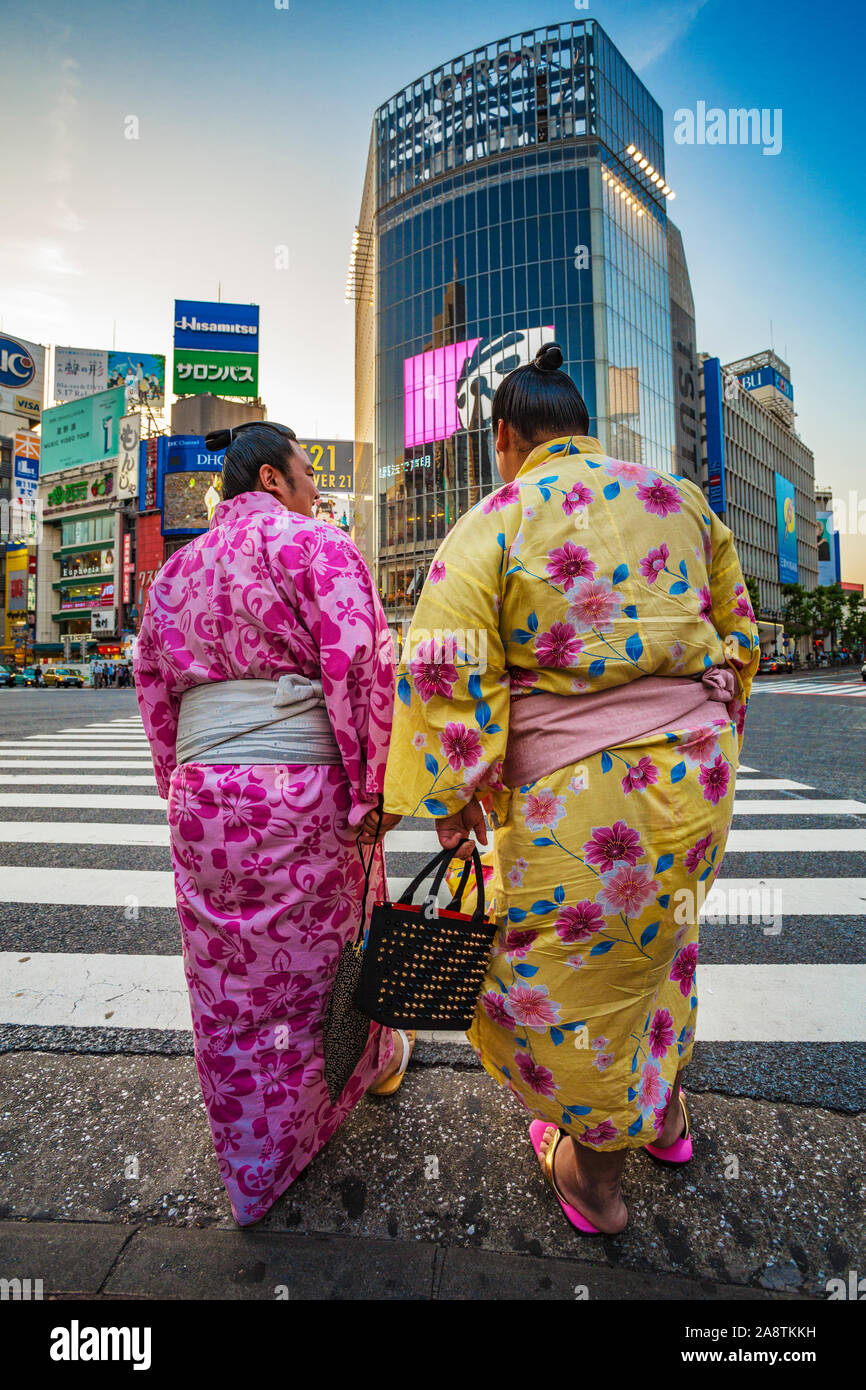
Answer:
[(89, 936), (849, 687)]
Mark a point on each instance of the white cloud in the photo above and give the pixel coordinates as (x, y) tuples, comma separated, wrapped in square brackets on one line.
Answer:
[(666, 27)]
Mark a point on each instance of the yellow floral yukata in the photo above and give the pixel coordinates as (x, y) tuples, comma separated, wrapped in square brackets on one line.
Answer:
[(584, 573)]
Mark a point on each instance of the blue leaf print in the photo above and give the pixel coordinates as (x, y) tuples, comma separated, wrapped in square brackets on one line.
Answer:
[(679, 588), (494, 729), (637, 1126), (621, 571), (649, 933), (545, 492), (646, 1022), (505, 1072), (634, 647), (542, 840), (631, 1092), (543, 906), (634, 1062), (559, 894), (527, 971), (556, 1037), (532, 622), (475, 686), (579, 1109), (742, 639), (611, 491), (672, 738), (482, 714), (516, 914), (602, 948), (708, 660), (566, 1118), (596, 668), (501, 540), (678, 772), (708, 870), (589, 463), (664, 862), (606, 762), (404, 690), (682, 1032), (436, 808), (522, 1042), (521, 635), (713, 855), (683, 571), (630, 611), (430, 763), (570, 1027), (693, 1002), (554, 478), (503, 988), (663, 900)]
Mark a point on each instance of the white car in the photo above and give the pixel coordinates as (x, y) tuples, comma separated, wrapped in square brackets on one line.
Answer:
[(863, 670)]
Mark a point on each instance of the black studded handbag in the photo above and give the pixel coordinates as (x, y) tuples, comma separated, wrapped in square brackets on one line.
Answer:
[(423, 966)]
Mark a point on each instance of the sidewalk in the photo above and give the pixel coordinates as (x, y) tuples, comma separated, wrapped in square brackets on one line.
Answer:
[(432, 1194)]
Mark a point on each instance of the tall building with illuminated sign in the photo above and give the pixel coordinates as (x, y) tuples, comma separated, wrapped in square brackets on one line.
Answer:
[(513, 195)]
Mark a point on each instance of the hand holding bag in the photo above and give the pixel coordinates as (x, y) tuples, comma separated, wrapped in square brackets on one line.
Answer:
[(423, 966)]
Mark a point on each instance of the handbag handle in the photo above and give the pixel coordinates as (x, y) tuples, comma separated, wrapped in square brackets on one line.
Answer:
[(438, 866), (361, 934)]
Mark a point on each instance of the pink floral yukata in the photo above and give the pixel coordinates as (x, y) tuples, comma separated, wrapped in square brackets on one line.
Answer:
[(269, 881)]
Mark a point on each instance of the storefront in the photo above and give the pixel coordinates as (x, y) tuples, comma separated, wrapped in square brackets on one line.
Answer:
[(79, 570)]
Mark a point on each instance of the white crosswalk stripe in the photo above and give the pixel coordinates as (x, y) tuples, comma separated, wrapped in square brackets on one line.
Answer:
[(851, 686), (107, 770)]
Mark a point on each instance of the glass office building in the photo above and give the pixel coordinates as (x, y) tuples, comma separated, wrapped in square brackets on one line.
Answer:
[(513, 196)]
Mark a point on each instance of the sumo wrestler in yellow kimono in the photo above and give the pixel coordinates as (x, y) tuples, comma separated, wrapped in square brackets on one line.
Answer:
[(583, 574)]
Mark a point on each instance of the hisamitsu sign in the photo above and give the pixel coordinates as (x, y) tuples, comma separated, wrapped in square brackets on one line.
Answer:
[(225, 327)]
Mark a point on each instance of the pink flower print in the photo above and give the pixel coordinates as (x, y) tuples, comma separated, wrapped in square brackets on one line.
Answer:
[(461, 746), (437, 572), (611, 844), (740, 719), (530, 1006), (543, 809), (677, 652), (576, 962), (433, 670), (570, 563), (599, 1134), (578, 783), (654, 562), (743, 608), (518, 944), (518, 678), (504, 497), (659, 498), (640, 776), (661, 1033), (699, 745), (419, 741), (538, 1078), (715, 779), (493, 1004), (650, 1090), (627, 888), (245, 810), (684, 967), (517, 871), (598, 1043), (558, 647), (579, 496), (190, 802), (579, 923), (697, 852), (595, 604), (706, 600), (626, 472), (603, 1060), (222, 1084)]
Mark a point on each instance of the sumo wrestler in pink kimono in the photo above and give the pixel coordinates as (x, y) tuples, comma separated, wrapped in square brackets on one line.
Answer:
[(265, 677)]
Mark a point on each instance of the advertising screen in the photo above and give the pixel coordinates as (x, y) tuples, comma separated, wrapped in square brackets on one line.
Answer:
[(334, 462), (450, 388), (80, 372), (80, 432), (786, 530), (189, 499), (828, 570)]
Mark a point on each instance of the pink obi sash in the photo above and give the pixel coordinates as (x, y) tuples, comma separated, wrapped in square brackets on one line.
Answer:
[(547, 731)]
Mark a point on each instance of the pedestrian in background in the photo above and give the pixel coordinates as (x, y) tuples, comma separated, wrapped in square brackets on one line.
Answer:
[(603, 732), (265, 674)]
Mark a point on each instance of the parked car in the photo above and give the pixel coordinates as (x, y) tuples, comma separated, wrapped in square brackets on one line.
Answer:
[(26, 676), (7, 677), (863, 670), (772, 664), (63, 675)]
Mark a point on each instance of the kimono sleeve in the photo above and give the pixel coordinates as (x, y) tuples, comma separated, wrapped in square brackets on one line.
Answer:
[(338, 604), (733, 618), (451, 712), (158, 704)]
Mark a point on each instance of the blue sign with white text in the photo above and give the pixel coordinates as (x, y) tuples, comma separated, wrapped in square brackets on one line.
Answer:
[(201, 324), (715, 435)]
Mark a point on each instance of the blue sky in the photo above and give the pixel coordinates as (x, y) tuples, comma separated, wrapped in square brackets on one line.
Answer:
[(253, 130)]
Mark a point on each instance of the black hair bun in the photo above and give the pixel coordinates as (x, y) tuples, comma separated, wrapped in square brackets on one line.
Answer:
[(217, 439), (549, 357)]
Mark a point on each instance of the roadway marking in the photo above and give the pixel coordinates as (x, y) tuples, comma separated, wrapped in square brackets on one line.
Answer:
[(70, 832), (73, 762), (804, 807), (744, 1003), (84, 802), (65, 779)]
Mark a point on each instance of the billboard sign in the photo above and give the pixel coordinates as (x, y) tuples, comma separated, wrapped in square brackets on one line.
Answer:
[(25, 465), (786, 530), (767, 376), (129, 440), (828, 550), (450, 388), (334, 462), (188, 483), (81, 432), (715, 435), (80, 372), (22, 376), (216, 327), (221, 373)]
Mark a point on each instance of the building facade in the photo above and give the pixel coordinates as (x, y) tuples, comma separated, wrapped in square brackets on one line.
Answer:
[(760, 477), (512, 196)]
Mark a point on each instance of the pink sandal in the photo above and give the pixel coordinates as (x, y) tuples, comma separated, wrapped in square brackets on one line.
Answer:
[(536, 1134), (680, 1151)]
